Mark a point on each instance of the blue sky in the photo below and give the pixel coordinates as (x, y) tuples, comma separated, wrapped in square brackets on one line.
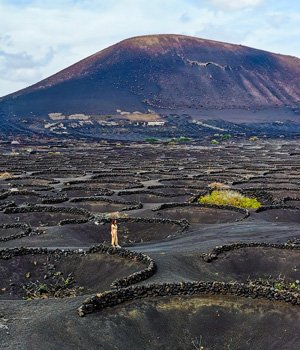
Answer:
[(40, 37)]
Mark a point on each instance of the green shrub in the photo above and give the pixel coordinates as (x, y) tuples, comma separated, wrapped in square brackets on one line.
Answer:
[(226, 137), (228, 197), (214, 142), (278, 286), (151, 139), (179, 139), (184, 139)]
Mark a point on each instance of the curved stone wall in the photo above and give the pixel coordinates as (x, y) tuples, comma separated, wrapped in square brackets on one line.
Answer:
[(136, 277), (112, 298), (250, 289), (228, 247), (199, 205)]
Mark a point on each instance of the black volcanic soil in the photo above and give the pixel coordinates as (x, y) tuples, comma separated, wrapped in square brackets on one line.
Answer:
[(221, 322), (152, 198), (280, 215), (93, 273), (162, 323), (37, 219), (257, 263), (295, 203), (24, 198), (6, 232), (201, 215), (85, 192), (88, 234), (98, 206)]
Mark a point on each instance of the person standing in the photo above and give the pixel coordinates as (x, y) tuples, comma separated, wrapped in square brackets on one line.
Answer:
[(114, 234)]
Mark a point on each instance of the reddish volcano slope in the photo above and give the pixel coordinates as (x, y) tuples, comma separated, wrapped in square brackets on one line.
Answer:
[(164, 72)]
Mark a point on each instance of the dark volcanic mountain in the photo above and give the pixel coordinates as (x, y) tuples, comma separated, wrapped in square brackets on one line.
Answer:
[(163, 72)]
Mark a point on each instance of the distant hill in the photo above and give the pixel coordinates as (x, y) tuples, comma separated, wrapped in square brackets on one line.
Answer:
[(163, 73)]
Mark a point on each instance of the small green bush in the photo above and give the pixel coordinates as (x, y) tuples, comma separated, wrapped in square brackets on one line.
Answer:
[(151, 139), (226, 137), (184, 139), (228, 197), (214, 142)]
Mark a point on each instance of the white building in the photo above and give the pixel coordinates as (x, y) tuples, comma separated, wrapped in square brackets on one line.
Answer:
[(155, 123)]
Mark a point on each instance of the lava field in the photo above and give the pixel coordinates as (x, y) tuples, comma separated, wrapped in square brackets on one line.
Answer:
[(188, 275)]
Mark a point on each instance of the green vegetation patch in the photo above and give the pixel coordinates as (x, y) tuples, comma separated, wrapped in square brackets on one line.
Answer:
[(57, 287), (229, 197), (151, 140), (214, 142)]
